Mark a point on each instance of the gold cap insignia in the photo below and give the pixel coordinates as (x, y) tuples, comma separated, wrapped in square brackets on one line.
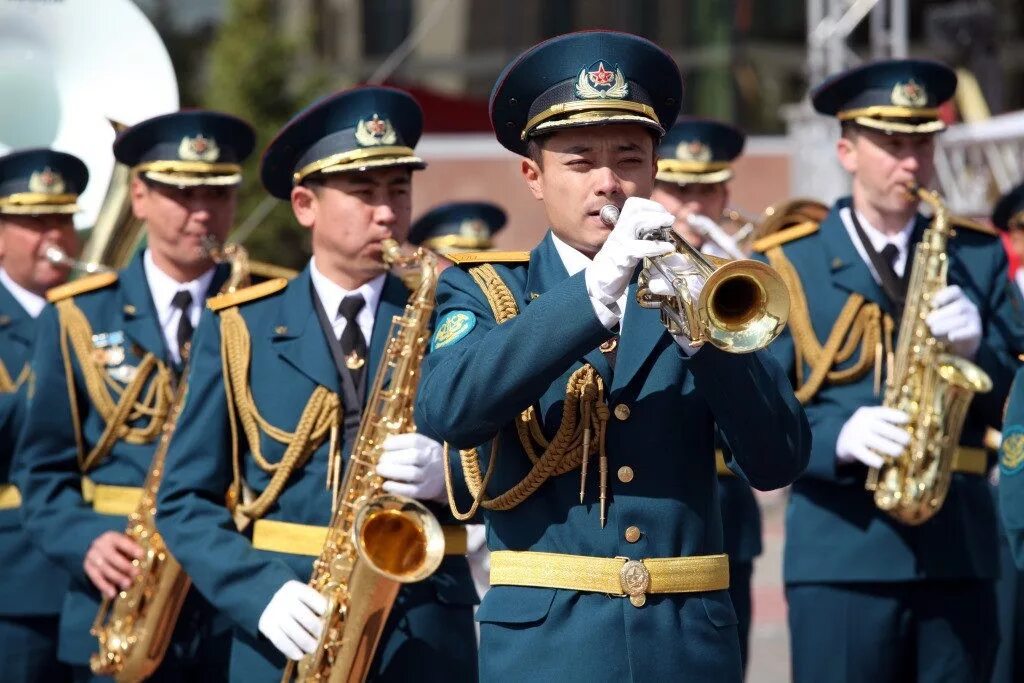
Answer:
[(694, 150), (376, 131), (909, 94), (46, 181), (600, 83), (199, 148), (474, 228)]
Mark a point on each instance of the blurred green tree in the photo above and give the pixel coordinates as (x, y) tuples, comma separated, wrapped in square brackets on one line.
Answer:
[(254, 73)]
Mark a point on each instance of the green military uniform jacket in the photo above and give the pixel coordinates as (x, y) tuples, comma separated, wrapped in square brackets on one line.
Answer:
[(834, 532), (429, 636), (664, 407), (1011, 466)]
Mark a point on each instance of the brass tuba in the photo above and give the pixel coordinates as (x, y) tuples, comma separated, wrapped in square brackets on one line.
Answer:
[(931, 385), (134, 628), (743, 305), (376, 541)]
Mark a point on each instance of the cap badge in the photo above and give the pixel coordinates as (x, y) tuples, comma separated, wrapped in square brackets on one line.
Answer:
[(694, 150), (909, 94), (376, 131), (199, 148), (46, 181), (473, 228), (600, 83)]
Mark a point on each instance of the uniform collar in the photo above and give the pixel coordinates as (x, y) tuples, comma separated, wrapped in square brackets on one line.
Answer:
[(573, 259), (331, 293), (879, 240), (30, 301), (162, 287)]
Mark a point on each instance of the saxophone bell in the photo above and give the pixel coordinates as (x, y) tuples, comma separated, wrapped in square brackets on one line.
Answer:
[(743, 305)]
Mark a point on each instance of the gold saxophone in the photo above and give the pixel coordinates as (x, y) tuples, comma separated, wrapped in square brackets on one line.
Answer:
[(376, 541), (933, 386), (135, 627)]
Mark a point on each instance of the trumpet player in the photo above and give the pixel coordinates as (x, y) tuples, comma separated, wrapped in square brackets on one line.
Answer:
[(872, 598), (39, 191), (694, 168), (279, 438), (110, 347), (594, 466)]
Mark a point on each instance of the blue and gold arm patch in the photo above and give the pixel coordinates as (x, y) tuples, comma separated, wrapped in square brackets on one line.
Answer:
[(452, 327), (1011, 455)]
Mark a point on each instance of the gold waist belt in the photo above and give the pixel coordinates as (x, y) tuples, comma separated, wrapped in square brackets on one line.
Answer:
[(611, 575), (10, 497), (306, 539), (107, 499)]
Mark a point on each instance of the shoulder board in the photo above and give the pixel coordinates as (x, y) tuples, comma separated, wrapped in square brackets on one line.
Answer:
[(80, 286), (971, 224), (787, 235), (222, 301), (474, 258), (269, 270)]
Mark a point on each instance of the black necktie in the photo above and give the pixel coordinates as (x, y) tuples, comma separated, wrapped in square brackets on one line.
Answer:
[(182, 300), (890, 254), (353, 344)]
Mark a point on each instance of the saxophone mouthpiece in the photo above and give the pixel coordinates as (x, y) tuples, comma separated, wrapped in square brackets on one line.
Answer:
[(609, 215)]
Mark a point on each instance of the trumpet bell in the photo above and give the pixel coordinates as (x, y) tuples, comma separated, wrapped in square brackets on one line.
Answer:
[(743, 306)]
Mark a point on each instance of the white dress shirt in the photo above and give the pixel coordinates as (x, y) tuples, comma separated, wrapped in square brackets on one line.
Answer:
[(331, 295), (879, 240), (30, 301), (576, 261), (162, 287)]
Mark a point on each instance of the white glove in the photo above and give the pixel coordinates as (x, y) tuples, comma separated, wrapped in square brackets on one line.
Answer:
[(291, 620), (955, 319), (609, 274), (661, 285), (872, 430), (412, 466)]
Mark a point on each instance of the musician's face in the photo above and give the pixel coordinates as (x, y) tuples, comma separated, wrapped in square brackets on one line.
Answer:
[(23, 243), (883, 165), (178, 218), (707, 199), (579, 170), (351, 214)]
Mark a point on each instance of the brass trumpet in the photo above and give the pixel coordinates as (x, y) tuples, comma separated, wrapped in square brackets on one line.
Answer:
[(742, 307)]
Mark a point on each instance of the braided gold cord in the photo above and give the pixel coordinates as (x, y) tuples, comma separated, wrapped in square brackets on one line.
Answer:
[(319, 417), (7, 385), (117, 406)]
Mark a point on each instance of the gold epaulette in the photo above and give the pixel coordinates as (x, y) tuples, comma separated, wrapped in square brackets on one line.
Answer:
[(222, 301), (971, 224), (80, 286), (269, 270), (787, 235), (475, 258)]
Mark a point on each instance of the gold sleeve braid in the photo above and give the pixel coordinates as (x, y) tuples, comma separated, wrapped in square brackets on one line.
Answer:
[(147, 395), (859, 325), (584, 410), (320, 418)]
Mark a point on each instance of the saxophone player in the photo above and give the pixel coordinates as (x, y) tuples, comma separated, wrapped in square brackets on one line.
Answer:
[(110, 347), (871, 598), (39, 191), (596, 477), (694, 168), (275, 438)]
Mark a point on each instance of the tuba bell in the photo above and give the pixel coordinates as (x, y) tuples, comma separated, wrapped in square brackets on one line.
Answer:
[(742, 307)]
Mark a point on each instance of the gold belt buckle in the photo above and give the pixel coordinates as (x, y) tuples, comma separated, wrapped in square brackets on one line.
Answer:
[(635, 579)]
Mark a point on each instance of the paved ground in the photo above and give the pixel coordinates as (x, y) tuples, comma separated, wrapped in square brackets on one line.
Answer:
[(769, 641)]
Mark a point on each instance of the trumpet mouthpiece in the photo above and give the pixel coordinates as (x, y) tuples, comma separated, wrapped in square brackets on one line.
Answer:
[(609, 215)]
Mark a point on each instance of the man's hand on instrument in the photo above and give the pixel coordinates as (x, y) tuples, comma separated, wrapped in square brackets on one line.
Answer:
[(108, 562), (292, 621), (870, 431), (955, 319), (412, 465), (609, 274), (662, 285)]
